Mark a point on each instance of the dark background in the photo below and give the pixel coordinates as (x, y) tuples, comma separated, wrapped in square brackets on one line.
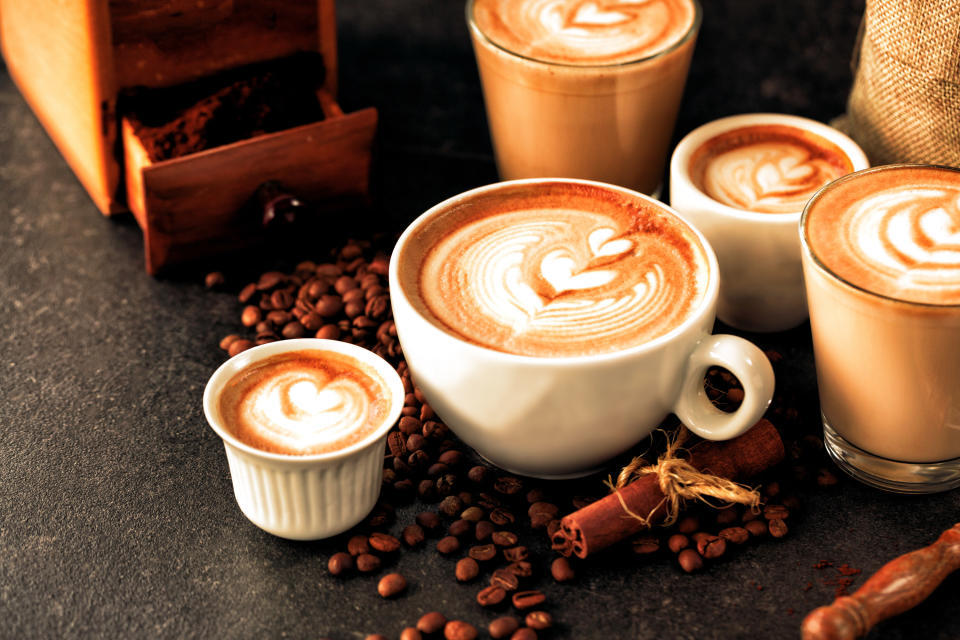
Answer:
[(117, 517)]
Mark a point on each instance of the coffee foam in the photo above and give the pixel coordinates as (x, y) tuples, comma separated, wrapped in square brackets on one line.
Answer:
[(588, 33), (304, 402), (555, 270), (895, 232), (766, 168)]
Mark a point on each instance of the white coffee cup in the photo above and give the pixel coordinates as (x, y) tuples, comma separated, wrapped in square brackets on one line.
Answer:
[(556, 417), (305, 497), (759, 253)]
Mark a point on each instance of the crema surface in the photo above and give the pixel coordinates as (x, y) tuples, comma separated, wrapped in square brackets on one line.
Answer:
[(304, 402), (589, 33), (556, 270), (895, 232), (766, 168)]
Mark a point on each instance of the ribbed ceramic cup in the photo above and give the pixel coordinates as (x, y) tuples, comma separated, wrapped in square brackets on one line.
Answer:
[(311, 496)]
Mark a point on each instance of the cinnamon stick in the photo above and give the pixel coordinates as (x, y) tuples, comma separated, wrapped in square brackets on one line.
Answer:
[(606, 522)]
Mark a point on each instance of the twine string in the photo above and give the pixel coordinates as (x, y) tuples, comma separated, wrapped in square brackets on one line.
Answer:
[(680, 483)]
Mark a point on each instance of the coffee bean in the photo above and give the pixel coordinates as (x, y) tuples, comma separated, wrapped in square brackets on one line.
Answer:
[(451, 505), (505, 579), (688, 524), (293, 330), (521, 569), (451, 458), (328, 305), (409, 425), (376, 636), (436, 469), (239, 346), (404, 488), (384, 542), (678, 542), (516, 554), (690, 561), (340, 563), (491, 596), (479, 475), (735, 535), (645, 545), (228, 340), (508, 485), (413, 535), (524, 633), (328, 332), (539, 620), (711, 547), (396, 444), (271, 279), (484, 531), (354, 295), (460, 527), (247, 293), (528, 599), (501, 516), (483, 553), (757, 528), (391, 585), (431, 622), (536, 495), (473, 514), (727, 516), (427, 489), (503, 627), (400, 466), (778, 528), (410, 633), (504, 538), (428, 520), (459, 630), (281, 299), (419, 459), (357, 545), (543, 508), (467, 569), (368, 563), (749, 515), (448, 545), (775, 512), (446, 484), (561, 570), (552, 527), (251, 316)]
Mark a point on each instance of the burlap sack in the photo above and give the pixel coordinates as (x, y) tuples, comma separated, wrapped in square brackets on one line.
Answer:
[(904, 105)]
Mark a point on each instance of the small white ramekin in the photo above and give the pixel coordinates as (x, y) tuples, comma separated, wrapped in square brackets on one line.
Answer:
[(313, 496)]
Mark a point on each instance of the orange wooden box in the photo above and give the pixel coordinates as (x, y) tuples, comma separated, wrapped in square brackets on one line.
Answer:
[(71, 60)]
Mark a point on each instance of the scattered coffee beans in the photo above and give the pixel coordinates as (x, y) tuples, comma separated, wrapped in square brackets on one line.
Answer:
[(391, 585), (432, 622), (459, 630), (503, 627), (467, 569), (539, 620)]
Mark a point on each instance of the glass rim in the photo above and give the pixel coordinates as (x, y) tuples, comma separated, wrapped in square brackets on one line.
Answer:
[(688, 34), (808, 249)]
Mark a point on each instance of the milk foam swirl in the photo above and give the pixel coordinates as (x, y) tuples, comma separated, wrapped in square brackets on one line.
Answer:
[(900, 240), (555, 282), (775, 174), (302, 405), (585, 32)]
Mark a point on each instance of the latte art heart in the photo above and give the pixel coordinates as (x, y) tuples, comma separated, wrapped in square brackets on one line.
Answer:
[(541, 278), (299, 404), (578, 32), (900, 240)]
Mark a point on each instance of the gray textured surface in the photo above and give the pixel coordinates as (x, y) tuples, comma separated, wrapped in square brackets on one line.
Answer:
[(116, 512)]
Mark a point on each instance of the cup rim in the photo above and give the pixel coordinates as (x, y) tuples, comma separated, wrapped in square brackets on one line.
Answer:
[(228, 369), (690, 33), (706, 305), (680, 159), (808, 250)]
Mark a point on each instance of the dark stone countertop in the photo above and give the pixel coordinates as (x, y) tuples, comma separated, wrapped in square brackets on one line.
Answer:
[(117, 517)]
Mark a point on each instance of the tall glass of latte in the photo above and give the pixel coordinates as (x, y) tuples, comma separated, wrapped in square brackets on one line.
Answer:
[(881, 261), (583, 89)]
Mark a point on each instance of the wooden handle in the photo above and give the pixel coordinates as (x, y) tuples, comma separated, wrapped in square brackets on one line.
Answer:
[(899, 585)]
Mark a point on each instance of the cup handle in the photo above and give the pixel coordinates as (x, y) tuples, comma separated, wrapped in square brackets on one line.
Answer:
[(744, 360)]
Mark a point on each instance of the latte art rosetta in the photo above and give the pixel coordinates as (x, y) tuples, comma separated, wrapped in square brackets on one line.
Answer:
[(766, 169), (902, 241), (558, 282), (585, 32), (301, 405)]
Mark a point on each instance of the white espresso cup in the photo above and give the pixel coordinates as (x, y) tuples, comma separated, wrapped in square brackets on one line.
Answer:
[(563, 416), (314, 495), (748, 205)]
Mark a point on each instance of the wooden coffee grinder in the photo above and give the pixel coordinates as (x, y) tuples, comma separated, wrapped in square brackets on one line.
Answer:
[(74, 61)]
